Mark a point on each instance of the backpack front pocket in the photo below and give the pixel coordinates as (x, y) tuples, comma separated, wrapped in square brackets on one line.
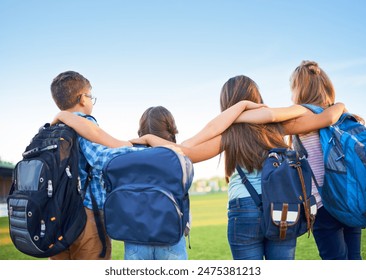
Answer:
[(28, 227), (145, 215), (283, 222)]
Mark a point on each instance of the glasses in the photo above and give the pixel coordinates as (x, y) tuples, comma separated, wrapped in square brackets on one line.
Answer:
[(93, 99)]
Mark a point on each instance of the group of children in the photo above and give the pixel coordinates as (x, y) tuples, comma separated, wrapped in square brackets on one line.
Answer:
[(245, 131)]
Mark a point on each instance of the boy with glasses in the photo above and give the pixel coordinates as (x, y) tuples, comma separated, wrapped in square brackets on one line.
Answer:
[(72, 92)]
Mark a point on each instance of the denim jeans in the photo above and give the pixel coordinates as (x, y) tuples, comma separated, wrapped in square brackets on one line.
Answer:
[(146, 252), (336, 241), (246, 238)]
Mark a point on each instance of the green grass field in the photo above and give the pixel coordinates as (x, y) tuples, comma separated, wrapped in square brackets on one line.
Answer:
[(208, 235)]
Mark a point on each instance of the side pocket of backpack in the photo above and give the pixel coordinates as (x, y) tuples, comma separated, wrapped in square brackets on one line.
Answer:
[(27, 223)]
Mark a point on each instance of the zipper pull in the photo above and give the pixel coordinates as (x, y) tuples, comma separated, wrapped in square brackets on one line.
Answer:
[(340, 157), (68, 172), (43, 229), (79, 185), (50, 147), (49, 188)]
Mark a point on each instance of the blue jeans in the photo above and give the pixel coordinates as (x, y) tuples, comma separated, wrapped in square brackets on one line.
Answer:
[(246, 238), (146, 252), (336, 241)]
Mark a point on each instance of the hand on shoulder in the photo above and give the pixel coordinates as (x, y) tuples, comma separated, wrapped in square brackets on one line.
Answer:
[(252, 105), (176, 149), (143, 140), (61, 116)]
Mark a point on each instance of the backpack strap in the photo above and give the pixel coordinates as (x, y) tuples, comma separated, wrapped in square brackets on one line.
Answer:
[(344, 117), (89, 116), (253, 193), (97, 216), (315, 109), (98, 219), (309, 218)]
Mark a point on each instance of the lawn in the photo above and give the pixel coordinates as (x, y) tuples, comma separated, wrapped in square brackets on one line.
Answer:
[(208, 235)]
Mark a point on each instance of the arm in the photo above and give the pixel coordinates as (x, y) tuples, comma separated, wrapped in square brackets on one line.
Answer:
[(268, 115), (311, 121), (97, 155), (89, 130), (258, 114), (220, 123), (200, 152)]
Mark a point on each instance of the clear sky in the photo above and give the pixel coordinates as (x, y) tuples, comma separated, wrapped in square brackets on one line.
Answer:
[(177, 54)]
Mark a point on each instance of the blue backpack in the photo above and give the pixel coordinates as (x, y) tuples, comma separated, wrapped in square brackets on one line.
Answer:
[(147, 196), (289, 208), (344, 190)]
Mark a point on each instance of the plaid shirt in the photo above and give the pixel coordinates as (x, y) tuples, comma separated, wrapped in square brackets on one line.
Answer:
[(96, 155)]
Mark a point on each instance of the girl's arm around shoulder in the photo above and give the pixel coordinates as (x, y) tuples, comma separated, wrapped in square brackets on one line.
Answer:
[(198, 153), (221, 122), (89, 130), (312, 122), (269, 115)]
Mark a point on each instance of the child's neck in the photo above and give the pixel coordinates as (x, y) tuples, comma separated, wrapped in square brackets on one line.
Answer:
[(80, 109)]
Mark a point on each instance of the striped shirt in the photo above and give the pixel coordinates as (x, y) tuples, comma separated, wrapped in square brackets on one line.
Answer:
[(312, 145)]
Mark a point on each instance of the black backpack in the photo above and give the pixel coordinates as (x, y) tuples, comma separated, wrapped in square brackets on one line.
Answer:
[(46, 212)]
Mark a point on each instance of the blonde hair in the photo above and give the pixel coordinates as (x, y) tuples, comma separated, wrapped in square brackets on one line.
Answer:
[(311, 85)]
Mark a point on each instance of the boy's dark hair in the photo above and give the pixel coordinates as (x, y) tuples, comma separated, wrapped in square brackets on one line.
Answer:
[(67, 87), (158, 121)]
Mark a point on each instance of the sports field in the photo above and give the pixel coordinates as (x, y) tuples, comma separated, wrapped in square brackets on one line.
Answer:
[(208, 235)]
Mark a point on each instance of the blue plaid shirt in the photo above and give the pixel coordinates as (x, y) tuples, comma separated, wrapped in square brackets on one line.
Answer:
[(96, 155)]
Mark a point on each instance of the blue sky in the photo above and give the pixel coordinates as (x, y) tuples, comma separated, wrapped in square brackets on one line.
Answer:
[(177, 54)]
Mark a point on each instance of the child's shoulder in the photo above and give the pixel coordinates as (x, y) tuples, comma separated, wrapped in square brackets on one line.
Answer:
[(88, 117)]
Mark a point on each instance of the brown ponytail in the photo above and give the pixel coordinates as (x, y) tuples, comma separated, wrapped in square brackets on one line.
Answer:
[(160, 122)]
